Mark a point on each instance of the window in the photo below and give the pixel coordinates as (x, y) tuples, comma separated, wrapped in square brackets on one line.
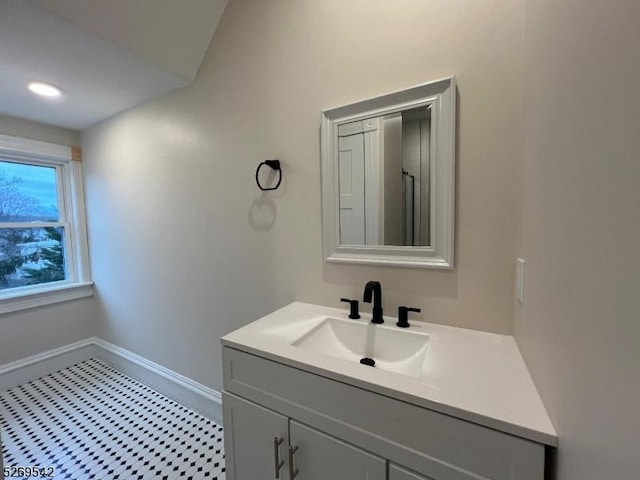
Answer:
[(43, 244)]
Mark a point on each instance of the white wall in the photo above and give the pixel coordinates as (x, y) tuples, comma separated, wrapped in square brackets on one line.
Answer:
[(181, 248), (580, 327), (33, 331), (38, 131)]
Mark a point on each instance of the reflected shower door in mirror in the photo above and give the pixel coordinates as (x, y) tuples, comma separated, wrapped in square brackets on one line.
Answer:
[(388, 178), (383, 171)]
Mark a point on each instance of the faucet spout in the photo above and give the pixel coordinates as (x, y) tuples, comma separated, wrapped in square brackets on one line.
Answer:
[(373, 290)]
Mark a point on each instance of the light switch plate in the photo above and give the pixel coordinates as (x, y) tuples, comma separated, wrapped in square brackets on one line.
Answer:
[(520, 280)]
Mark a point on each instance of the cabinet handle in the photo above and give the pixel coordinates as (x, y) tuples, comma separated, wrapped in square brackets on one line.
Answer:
[(276, 455), (292, 472)]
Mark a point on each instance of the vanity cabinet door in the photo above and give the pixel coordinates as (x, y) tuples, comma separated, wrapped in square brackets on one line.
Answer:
[(322, 457), (249, 432), (399, 473)]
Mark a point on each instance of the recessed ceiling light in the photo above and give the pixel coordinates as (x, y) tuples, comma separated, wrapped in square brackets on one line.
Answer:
[(44, 89)]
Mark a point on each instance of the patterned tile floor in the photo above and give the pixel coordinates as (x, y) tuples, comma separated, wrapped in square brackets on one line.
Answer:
[(91, 421)]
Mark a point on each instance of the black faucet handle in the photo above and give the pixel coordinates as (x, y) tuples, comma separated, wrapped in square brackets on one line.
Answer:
[(403, 316), (353, 304)]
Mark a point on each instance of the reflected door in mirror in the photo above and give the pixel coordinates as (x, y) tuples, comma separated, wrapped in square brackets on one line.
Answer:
[(359, 183)]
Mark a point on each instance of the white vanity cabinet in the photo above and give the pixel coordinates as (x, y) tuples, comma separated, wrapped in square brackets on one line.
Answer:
[(257, 447), (250, 431), (320, 456), (345, 432)]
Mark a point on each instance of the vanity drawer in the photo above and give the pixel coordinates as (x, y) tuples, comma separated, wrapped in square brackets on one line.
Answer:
[(437, 445)]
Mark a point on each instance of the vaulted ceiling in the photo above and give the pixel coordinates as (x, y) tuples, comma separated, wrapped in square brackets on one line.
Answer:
[(105, 55)]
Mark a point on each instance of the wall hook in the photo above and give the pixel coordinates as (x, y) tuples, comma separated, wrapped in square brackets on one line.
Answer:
[(275, 165)]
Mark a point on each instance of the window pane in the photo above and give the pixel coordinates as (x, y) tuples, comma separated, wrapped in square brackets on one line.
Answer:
[(28, 193), (30, 256)]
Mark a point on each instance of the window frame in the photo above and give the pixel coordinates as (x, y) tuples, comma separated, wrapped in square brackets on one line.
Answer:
[(72, 217)]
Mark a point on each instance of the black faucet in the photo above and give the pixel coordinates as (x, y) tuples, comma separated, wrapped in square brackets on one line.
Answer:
[(375, 289)]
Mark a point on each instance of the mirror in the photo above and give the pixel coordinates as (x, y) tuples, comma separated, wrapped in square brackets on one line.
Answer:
[(388, 178)]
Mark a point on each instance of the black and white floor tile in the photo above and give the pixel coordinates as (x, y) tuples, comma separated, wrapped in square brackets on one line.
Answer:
[(91, 421)]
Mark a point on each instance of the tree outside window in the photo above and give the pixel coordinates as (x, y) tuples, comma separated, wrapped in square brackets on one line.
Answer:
[(29, 255)]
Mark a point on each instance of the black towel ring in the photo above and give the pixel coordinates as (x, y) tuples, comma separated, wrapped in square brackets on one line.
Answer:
[(274, 164)]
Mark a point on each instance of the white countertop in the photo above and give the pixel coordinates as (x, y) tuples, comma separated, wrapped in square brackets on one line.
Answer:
[(476, 376)]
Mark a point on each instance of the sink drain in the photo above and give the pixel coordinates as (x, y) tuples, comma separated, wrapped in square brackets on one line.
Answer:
[(368, 361)]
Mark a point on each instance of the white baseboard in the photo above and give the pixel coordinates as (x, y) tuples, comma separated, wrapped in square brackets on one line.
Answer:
[(202, 399), (31, 368)]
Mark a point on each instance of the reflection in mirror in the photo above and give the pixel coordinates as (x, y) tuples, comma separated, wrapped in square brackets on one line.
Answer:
[(383, 170)]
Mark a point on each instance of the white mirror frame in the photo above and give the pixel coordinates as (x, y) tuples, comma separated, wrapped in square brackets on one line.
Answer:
[(441, 95)]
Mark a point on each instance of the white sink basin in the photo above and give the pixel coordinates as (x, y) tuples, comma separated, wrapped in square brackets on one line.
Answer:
[(392, 349)]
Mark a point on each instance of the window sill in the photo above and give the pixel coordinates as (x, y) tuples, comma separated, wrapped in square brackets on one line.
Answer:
[(40, 297)]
